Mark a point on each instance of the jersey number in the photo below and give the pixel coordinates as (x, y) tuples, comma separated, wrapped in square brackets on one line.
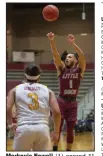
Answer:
[(71, 83), (35, 103)]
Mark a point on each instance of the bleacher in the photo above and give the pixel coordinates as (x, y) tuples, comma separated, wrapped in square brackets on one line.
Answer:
[(49, 78)]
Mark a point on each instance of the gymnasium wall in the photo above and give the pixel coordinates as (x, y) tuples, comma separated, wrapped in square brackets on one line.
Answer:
[(86, 43), (29, 29)]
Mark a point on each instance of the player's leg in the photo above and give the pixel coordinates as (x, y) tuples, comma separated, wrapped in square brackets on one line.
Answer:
[(43, 140), (70, 134), (23, 138), (55, 146), (70, 122), (62, 110)]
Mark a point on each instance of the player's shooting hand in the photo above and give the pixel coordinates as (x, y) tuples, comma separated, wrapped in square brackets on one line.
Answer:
[(54, 136), (50, 36), (71, 38)]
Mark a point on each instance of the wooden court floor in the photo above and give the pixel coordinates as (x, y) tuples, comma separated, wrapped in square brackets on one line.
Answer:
[(83, 142)]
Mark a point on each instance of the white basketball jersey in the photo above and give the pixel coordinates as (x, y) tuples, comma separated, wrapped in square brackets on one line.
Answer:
[(32, 103)]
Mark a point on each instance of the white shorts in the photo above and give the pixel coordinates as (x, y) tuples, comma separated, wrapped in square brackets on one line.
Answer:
[(35, 137)]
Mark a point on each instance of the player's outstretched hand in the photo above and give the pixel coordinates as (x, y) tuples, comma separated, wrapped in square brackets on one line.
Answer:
[(50, 36), (70, 38), (54, 136)]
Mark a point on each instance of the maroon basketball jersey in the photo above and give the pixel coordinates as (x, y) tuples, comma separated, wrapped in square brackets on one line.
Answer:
[(69, 82)]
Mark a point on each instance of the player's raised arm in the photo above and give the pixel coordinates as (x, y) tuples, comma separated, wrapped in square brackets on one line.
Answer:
[(81, 57), (56, 114), (56, 56)]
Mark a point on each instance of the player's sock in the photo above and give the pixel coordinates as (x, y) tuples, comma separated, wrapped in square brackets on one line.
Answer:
[(55, 148)]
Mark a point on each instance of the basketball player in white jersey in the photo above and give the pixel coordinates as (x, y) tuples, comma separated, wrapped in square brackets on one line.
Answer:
[(33, 103)]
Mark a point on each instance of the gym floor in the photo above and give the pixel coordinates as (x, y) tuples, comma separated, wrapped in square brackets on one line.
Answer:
[(83, 142)]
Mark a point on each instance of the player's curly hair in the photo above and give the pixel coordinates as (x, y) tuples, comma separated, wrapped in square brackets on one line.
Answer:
[(65, 53)]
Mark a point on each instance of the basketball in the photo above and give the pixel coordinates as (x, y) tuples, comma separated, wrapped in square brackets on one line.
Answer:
[(50, 13)]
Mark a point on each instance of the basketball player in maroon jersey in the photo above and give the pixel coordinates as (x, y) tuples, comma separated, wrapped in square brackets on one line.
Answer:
[(70, 69)]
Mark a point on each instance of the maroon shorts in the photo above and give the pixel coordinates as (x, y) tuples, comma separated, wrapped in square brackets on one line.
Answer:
[(68, 109)]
